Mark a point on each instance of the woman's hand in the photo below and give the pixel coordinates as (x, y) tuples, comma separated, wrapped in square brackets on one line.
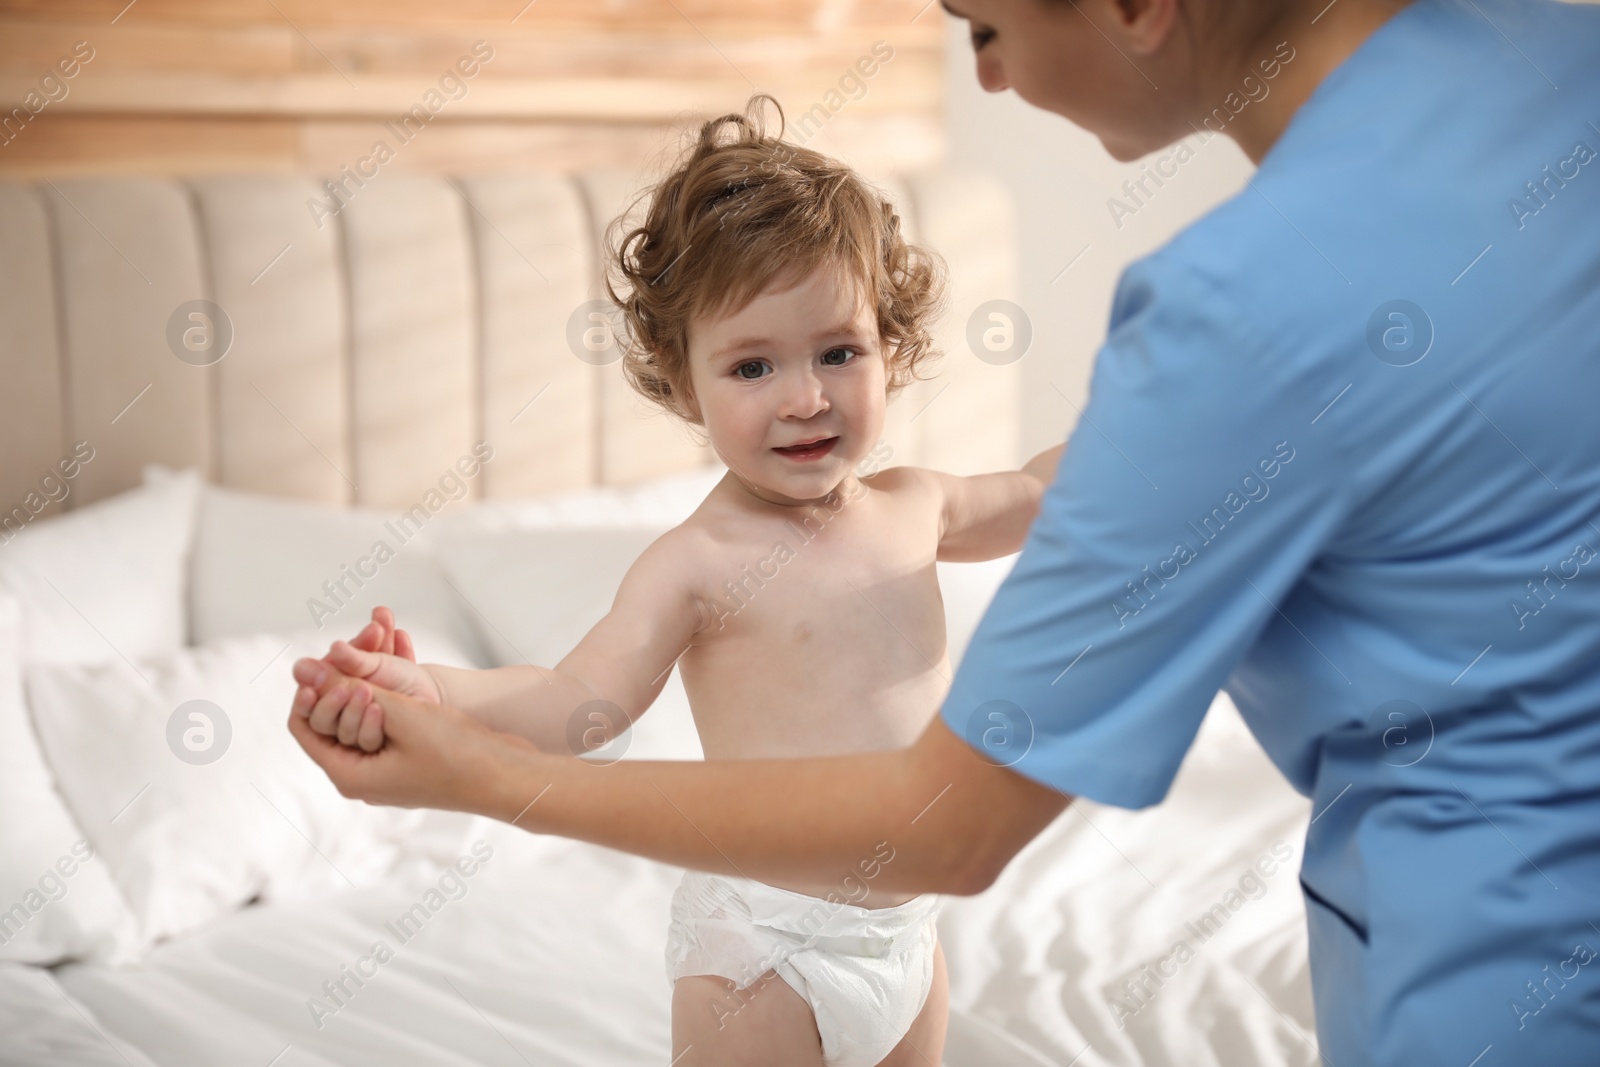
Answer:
[(433, 756)]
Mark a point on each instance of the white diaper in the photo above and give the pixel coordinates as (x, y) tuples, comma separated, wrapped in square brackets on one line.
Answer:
[(864, 971)]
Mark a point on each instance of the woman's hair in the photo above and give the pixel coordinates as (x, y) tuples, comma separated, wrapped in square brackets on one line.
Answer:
[(736, 215)]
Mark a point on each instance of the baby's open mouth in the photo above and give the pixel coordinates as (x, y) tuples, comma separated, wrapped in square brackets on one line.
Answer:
[(812, 450)]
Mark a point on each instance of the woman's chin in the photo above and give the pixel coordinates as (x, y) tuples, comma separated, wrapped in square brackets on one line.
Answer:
[(1126, 149)]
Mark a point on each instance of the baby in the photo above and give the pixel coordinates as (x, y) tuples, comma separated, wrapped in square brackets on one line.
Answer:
[(770, 301)]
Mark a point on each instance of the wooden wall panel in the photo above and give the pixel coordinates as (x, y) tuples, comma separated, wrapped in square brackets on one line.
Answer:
[(769, 16), (185, 86), (150, 144)]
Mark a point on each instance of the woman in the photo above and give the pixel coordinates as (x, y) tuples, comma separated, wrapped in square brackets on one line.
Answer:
[(1339, 459)]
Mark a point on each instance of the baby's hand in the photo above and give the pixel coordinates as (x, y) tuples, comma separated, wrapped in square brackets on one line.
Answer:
[(343, 708)]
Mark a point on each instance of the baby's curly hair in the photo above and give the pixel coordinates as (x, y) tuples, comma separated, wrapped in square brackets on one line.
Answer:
[(733, 217)]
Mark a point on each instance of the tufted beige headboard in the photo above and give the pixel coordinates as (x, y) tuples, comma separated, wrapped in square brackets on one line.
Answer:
[(373, 346)]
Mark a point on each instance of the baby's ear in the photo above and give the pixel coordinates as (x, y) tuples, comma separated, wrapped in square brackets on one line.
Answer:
[(686, 397)]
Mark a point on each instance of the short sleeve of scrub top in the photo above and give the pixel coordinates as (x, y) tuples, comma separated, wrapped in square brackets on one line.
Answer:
[(1194, 492), (1341, 458)]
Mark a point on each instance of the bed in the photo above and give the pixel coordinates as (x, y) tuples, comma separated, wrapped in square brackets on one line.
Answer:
[(186, 514)]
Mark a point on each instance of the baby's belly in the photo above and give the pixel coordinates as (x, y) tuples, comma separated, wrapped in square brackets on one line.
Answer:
[(786, 719), (739, 717)]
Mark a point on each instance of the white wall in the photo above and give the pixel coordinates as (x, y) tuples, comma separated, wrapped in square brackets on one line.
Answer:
[(1061, 179)]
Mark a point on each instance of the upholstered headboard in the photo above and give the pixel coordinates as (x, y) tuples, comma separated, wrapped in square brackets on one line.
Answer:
[(372, 346)]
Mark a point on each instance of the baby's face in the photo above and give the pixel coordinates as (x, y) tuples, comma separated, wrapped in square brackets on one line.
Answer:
[(794, 366)]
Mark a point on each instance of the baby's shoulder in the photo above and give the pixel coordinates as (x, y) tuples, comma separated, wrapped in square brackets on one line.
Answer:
[(898, 479), (699, 547), (905, 485), (682, 546), (675, 567)]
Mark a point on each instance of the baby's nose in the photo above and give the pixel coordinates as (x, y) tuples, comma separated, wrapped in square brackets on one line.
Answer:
[(805, 396)]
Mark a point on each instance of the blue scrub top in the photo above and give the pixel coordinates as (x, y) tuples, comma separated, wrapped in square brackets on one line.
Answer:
[(1341, 458)]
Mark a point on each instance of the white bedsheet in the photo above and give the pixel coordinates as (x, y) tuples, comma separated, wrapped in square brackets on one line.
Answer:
[(553, 955)]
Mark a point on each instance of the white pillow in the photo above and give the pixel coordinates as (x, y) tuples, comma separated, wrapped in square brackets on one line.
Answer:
[(187, 841), (539, 572), (659, 502), (105, 581), (57, 900), (967, 589), (537, 592), (260, 563)]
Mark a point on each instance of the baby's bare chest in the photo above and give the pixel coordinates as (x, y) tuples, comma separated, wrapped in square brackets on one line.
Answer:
[(849, 588), (828, 639)]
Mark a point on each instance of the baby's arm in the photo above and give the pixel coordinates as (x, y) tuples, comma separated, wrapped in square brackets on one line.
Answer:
[(986, 516), (624, 659)]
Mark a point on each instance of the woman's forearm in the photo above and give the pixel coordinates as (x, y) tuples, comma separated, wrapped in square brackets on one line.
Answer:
[(1043, 466), (770, 820), (532, 702), (951, 819)]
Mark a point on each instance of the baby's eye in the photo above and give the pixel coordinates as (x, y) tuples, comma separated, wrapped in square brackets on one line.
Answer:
[(741, 368), (847, 356)]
